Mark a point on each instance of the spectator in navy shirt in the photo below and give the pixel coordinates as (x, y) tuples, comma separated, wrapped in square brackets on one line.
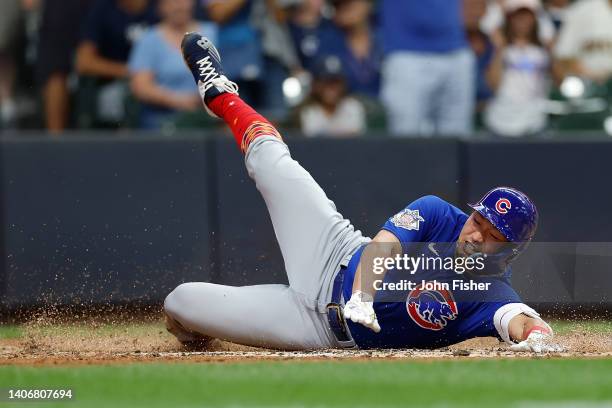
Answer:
[(482, 46), (357, 46), (57, 38), (108, 33), (428, 73), (483, 49)]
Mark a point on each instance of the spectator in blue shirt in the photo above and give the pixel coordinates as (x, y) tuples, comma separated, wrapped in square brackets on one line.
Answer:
[(159, 78), (428, 72), (240, 44), (357, 46), (310, 30)]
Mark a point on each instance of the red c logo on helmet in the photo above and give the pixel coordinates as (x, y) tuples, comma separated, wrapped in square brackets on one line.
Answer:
[(503, 205)]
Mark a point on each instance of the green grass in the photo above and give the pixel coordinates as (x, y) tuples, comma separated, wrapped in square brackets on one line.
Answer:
[(10, 332), (354, 384), (485, 383), (78, 329), (589, 326)]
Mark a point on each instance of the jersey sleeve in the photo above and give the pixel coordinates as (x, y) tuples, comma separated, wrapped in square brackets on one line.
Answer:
[(414, 223), (481, 323)]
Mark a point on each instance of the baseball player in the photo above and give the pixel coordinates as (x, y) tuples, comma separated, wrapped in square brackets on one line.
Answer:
[(334, 297)]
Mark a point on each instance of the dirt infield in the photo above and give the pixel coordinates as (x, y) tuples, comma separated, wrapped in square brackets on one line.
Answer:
[(43, 343)]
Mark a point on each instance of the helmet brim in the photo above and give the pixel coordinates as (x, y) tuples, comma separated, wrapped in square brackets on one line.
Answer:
[(491, 217)]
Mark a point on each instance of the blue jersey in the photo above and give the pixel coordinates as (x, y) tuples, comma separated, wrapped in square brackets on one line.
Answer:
[(442, 307)]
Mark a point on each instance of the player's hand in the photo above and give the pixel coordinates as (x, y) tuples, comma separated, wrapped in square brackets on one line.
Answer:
[(360, 309), (539, 340)]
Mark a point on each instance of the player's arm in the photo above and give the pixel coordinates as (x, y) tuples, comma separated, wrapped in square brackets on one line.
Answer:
[(360, 308), (403, 228), (384, 245), (522, 328), (532, 334)]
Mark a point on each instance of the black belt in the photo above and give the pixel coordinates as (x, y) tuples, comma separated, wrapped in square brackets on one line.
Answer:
[(335, 317)]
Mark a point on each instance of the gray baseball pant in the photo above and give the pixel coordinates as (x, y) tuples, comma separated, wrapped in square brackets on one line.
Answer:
[(315, 241)]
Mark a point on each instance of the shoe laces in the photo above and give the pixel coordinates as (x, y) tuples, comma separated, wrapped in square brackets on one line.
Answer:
[(210, 77)]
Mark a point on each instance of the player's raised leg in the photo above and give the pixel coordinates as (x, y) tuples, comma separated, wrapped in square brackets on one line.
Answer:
[(314, 238)]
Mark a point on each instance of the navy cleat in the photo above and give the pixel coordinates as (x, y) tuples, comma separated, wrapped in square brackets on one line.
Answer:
[(204, 62)]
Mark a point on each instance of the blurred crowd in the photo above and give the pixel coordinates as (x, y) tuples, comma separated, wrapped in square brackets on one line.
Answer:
[(340, 68)]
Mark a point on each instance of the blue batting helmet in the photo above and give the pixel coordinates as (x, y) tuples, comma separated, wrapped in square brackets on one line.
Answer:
[(515, 216), (511, 212)]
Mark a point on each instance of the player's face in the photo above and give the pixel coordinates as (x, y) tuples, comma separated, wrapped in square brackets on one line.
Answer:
[(479, 235)]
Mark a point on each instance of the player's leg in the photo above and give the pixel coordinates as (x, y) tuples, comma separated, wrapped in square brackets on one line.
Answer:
[(312, 235), (272, 316), (314, 238)]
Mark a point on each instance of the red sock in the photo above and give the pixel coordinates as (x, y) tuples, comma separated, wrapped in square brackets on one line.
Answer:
[(246, 124)]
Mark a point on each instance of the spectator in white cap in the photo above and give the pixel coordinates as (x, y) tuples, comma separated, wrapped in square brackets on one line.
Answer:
[(584, 47), (519, 73), (495, 18)]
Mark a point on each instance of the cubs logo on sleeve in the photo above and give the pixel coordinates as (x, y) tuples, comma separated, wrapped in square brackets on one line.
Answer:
[(431, 309), (408, 219)]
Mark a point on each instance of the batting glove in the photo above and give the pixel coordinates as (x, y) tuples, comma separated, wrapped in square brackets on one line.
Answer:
[(539, 340), (360, 309)]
